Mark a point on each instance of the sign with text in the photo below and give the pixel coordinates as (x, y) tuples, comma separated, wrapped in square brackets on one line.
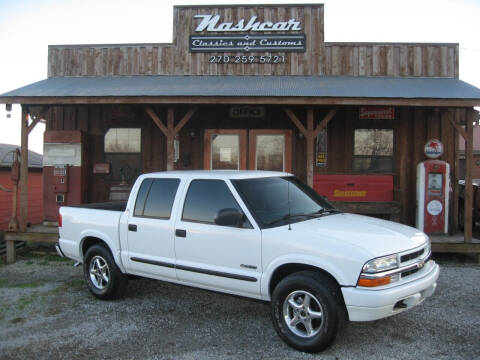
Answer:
[(376, 113), (238, 112), (247, 42), (322, 148), (212, 23)]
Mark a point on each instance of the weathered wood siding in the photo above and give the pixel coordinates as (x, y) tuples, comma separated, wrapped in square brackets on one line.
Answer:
[(412, 128), (391, 59), (320, 58), (35, 198), (175, 58)]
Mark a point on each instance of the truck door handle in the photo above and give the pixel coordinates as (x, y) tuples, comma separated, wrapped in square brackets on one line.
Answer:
[(181, 233), (132, 227)]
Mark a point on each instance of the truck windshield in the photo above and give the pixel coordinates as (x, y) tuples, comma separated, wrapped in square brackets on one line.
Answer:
[(276, 201)]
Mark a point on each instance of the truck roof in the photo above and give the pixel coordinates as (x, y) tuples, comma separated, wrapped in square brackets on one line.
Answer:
[(218, 174)]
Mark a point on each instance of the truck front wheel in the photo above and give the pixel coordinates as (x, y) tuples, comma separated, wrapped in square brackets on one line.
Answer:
[(307, 310), (104, 279)]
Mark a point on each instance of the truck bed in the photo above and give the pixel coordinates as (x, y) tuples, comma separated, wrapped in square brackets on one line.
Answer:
[(111, 206)]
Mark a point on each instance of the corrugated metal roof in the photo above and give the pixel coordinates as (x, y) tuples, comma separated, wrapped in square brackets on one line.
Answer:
[(262, 86), (6, 156)]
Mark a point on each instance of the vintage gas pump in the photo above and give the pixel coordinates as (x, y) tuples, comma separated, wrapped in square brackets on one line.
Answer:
[(433, 187), (64, 173)]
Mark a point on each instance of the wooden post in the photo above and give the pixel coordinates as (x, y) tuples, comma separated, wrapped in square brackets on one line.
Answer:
[(456, 172), (310, 134), (310, 145), (170, 131), (24, 171), (470, 117), (170, 140)]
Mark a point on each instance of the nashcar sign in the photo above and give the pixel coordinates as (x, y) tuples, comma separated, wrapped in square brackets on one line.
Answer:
[(210, 23), (246, 41)]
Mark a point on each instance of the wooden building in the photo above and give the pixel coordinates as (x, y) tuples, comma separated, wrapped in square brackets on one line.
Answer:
[(257, 87), (35, 198)]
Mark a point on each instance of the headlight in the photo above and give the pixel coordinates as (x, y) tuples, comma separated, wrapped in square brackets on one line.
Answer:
[(381, 264)]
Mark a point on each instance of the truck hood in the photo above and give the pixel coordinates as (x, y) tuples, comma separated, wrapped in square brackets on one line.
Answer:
[(375, 236)]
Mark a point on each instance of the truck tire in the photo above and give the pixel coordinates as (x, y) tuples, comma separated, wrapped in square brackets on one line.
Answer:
[(104, 279), (307, 310)]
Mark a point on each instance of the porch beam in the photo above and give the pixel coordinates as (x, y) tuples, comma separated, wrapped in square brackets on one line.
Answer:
[(260, 100), (38, 118), (156, 120), (310, 143), (468, 203), (170, 139), (184, 120), (457, 127), (23, 170), (323, 124), (297, 122)]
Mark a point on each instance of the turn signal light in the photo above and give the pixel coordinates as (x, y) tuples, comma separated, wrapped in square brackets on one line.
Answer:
[(374, 282), (59, 220)]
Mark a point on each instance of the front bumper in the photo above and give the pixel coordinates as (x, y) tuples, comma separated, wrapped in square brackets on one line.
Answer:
[(372, 304)]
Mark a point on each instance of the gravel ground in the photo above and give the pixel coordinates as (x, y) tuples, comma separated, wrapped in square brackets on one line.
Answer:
[(46, 312)]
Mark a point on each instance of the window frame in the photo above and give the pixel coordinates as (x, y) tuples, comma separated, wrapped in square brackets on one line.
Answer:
[(247, 223), (392, 157), (123, 152), (148, 193)]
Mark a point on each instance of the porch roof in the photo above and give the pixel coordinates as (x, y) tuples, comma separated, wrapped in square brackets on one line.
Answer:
[(143, 89)]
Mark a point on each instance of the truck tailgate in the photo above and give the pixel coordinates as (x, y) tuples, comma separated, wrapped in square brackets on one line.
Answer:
[(79, 223)]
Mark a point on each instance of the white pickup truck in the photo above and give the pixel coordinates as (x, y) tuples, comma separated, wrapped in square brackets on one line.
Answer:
[(257, 234)]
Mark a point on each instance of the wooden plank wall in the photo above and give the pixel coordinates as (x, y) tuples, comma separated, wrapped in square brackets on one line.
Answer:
[(412, 126), (352, 59), (175, 58), (391, 59), (35, 198)]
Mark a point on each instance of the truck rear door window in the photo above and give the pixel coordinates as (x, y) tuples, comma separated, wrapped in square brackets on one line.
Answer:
[(158, 202), (205, 198)]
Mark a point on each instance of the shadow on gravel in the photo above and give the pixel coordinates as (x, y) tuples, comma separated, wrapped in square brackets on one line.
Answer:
[(46, 312)]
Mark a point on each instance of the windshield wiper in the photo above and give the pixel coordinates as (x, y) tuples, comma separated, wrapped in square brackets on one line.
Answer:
[(290, 216), (327, 211)]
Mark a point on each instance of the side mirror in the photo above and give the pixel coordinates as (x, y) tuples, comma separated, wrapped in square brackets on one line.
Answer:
[(229, 217)]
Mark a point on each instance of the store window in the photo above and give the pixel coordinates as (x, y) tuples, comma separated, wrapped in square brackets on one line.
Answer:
[(123, 148), (373, 150), (123, 140)]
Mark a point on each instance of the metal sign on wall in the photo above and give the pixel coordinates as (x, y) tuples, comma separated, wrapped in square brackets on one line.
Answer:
[(247, 42), (376, 113), (247, 36)]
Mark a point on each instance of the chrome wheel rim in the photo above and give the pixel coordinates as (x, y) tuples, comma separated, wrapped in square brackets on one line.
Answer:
[(303, 314), (99, 272)]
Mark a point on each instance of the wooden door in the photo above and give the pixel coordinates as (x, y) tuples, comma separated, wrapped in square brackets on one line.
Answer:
[(270, 149), (225, 149)]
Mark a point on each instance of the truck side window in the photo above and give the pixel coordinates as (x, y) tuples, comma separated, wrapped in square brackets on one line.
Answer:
[(205, 198), (159, 200), (142, 196)]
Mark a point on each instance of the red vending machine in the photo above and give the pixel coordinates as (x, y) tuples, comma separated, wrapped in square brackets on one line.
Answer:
[(64, 171), (433, 187)]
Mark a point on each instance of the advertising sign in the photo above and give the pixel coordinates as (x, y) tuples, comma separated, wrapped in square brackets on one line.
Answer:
[(433, 149), (374, 113)]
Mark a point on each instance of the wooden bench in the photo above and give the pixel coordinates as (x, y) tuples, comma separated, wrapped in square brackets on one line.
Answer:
[(391, 210), (35, 233)]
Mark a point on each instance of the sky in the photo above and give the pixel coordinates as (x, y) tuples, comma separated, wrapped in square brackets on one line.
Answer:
[(27, 27)]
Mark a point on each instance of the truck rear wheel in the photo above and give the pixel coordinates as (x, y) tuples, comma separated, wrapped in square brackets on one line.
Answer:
[(104, 279), (307, 311)]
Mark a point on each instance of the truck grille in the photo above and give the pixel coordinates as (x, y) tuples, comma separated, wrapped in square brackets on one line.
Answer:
[(411, 256), (413, 271)]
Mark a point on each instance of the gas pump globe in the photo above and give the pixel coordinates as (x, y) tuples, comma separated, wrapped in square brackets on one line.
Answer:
[(433, 184)]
